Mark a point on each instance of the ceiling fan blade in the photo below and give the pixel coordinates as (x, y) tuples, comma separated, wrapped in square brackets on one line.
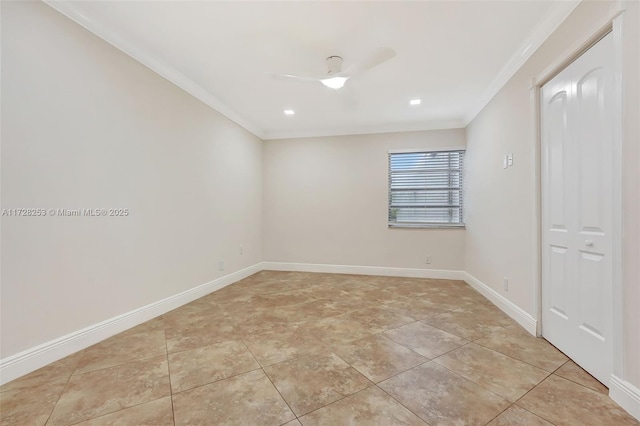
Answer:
[(295, 77), (381, 55)]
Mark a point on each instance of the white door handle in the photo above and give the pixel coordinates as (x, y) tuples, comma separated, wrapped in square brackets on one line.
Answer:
[(588, 243)]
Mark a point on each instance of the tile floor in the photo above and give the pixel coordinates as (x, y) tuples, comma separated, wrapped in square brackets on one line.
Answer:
[(285, 348)]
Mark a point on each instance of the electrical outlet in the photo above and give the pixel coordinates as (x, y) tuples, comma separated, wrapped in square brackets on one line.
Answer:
[(505, 282), (428, 260), (241, 250), (222, 265)]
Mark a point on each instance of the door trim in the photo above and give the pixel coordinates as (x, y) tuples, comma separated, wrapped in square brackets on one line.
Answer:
[(613, 23)]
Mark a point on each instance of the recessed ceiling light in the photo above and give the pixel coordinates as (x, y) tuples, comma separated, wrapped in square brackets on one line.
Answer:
[(289, 112), (415, 102)]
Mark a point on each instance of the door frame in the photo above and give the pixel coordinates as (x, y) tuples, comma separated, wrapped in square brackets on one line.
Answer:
[(614, 24)]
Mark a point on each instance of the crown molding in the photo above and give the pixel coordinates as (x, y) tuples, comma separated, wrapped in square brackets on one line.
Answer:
[(173, 75), (366, 130), (559, 12)]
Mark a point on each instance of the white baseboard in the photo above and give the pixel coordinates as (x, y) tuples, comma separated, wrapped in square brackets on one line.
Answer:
[(365, 270), (514, 311), (31, 359), (625, 395)]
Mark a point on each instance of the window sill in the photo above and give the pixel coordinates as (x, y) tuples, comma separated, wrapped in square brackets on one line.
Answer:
[(427, 225)]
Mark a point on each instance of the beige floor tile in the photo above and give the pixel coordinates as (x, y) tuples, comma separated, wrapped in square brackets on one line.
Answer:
[(154, 413), (264, 320), (471, 322), (104, 391), (351, 283), (311, 382), (316, 291), (417, 308), (368, 295), (517, 343), (379, 319), (208, 364), (191, 312), (156, 324), (455, 298), (564, 402), (60, 369), (281, 345), (516, 416), (573, 372), (30, 406), (414, 287), (407, 287), (428, 341), (247, 399), (285, 298), (463, 294), (338, 330), (237, 292), (440, 300), (492, 370), (122, 348), (441, 397), (371, 407), (315, 309), (198, 332), (378, 357), (324, 339)]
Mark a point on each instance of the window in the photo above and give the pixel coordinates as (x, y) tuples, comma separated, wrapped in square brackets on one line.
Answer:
[(425, 189)]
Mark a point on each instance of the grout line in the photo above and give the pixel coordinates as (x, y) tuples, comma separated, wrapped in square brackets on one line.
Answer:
[(110, 412), (44, 381), (398, 401), (271, 381), (117, 411), (527, 393), (427, 360), (529, 411), (166, 347), (131, 361), (215, 381), (355, 369), (478, 384), (64, 387), (338, 400), (514, 358), (580, 384)]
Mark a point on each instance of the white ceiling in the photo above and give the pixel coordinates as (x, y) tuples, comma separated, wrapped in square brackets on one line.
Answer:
[(454, 55)]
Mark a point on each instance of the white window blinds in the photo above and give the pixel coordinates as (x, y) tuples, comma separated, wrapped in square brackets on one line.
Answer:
[(425, 189)]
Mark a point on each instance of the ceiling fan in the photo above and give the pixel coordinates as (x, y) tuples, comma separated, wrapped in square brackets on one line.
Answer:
[(336, 78)]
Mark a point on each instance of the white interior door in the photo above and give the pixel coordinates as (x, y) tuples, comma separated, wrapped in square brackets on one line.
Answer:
[(577, 209)]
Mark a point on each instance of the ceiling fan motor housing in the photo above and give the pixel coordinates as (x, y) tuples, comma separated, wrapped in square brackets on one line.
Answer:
[(334, 65)]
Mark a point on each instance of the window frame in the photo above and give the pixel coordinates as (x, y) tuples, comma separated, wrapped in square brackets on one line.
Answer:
[(424, 225)]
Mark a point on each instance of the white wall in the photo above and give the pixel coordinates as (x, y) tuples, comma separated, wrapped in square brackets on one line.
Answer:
[(501, 204), (631, 191), (85, 126), (326, 200)]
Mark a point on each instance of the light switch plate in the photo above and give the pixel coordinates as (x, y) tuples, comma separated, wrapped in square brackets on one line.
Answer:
[(505, 162), (510, 160)]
